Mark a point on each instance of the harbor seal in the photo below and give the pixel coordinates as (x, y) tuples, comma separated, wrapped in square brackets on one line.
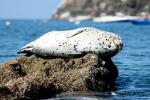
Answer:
[(75, 42)]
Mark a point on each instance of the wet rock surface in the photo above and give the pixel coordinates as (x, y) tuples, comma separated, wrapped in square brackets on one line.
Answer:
[(35, 77)]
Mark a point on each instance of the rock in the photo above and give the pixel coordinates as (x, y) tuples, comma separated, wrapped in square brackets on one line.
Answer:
[(37, 78)]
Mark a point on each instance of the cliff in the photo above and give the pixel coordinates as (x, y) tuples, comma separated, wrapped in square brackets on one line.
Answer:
[(95, 8)]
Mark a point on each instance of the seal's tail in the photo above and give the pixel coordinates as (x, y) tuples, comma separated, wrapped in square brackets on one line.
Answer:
[(27, 50)]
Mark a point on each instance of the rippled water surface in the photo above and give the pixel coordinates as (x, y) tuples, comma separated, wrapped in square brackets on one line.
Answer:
[(133, 61)]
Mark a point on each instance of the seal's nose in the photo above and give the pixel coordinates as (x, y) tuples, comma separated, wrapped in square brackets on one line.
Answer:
[(118, 43)]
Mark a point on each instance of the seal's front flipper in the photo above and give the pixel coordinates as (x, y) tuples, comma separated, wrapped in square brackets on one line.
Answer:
[(76, 32)]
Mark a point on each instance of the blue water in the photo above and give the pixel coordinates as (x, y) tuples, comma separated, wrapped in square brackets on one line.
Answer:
[(133, 61)]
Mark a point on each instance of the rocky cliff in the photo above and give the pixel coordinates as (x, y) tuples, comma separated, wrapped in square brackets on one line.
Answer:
[(95, 8)]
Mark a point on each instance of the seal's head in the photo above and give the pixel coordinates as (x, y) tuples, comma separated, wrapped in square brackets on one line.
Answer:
[(112, 44), (117, 42)]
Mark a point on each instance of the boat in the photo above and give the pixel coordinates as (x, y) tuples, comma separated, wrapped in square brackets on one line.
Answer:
[(114, 18), (78, 19), (141, 22)]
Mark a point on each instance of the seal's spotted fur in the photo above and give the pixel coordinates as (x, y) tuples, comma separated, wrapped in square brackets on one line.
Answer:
[(75, 42)]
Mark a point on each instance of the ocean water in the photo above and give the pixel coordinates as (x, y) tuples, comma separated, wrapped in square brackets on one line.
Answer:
[(133, 61)]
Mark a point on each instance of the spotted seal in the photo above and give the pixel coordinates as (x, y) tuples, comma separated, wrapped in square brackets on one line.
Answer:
[(75, 42)]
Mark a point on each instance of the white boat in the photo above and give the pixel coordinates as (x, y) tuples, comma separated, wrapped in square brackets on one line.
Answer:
[(78, 19), (114, 18), (74, 20), (81, 18)]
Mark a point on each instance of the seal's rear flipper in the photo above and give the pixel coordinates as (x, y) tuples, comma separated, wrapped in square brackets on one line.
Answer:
[(27, 50)]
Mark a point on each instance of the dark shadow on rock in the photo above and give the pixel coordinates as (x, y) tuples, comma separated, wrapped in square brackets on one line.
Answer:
[(36, 91), (17, 68)]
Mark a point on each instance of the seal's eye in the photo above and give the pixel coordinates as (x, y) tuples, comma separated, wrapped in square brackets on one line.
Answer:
[(118, 44)]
